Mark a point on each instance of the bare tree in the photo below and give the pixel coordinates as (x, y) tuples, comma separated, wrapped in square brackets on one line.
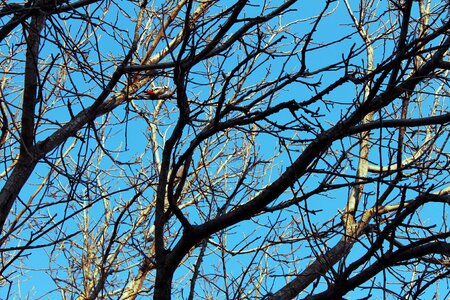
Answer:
[(219, 150)]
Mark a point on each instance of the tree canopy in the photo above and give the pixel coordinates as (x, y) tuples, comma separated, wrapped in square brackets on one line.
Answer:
[(205, 149)]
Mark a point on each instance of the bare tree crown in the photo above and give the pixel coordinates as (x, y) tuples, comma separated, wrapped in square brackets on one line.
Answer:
[(224, 149)]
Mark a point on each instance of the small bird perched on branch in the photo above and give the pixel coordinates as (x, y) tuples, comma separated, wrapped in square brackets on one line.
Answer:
[(156, 92)]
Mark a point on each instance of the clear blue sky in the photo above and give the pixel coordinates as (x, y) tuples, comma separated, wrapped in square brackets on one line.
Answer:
[(35, 282)]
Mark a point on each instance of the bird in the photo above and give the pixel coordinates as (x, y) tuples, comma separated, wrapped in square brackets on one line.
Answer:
[(156, 92)]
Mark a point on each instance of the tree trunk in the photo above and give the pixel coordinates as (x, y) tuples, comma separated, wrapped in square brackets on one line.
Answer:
[(163, 283)]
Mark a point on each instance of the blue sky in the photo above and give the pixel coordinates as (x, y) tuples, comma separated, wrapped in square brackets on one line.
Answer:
[(126, 142)]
